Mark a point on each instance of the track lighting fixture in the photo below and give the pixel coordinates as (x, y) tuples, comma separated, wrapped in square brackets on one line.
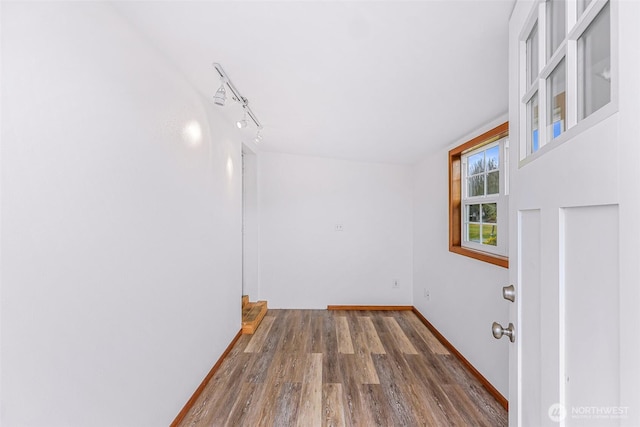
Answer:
[(242, 123), (221, 95)]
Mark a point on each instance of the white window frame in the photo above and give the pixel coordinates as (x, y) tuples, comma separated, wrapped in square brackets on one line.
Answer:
[(568, 50), (501, 199)]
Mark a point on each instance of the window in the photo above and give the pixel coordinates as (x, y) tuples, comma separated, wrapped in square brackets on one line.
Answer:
[(566, 69), (478, 210), (594, 65), (481, 197)]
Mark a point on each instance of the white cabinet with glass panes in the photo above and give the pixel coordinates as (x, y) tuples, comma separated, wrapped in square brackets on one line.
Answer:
[(566, 72)]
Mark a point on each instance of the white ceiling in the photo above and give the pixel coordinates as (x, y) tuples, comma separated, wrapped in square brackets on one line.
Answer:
[(383, 81)]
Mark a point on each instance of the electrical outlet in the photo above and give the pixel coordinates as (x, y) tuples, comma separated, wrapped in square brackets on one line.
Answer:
[(339, 227), (427, 295), (395, 284)]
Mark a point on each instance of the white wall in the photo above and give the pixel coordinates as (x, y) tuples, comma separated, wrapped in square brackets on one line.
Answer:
[(465, 294), (121, 245), (1, 185), (304, 262)]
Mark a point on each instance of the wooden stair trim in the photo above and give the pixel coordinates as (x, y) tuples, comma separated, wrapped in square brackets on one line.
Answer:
[(252, 315), (371, 307), (485, 382), (205, 381)]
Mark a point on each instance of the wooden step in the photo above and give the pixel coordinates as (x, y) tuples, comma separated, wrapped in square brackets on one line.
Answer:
[(245, 300), (252, 315)]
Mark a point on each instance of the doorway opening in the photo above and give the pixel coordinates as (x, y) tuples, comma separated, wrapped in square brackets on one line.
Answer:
[(252, 312)]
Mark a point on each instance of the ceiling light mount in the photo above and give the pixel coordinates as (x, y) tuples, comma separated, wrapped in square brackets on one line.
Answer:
[(236, 96)]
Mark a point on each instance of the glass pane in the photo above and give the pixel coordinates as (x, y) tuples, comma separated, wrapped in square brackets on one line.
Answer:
[(594, 65), (532, 123), (476, 164), (490, 234), (532, 55), (476, 186), (490, 212), (556, 89), (473, 213), (493, 182), (493, 158), (582, 6), (473, 233), (556, 25)]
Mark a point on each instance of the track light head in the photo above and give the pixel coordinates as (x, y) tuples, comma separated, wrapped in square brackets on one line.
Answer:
[(242, 123), (221, 96), (258, 137)]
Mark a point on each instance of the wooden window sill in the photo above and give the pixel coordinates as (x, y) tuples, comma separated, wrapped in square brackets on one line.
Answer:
[(498, 260)]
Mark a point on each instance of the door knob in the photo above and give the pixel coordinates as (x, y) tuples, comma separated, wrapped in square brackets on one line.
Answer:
[(499, 331), (509, 293)]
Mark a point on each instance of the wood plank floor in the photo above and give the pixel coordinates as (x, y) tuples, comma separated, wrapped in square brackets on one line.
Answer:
[(343, 368)]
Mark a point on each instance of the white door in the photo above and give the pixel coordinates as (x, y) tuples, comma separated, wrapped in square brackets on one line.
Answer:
[(574, 110)]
